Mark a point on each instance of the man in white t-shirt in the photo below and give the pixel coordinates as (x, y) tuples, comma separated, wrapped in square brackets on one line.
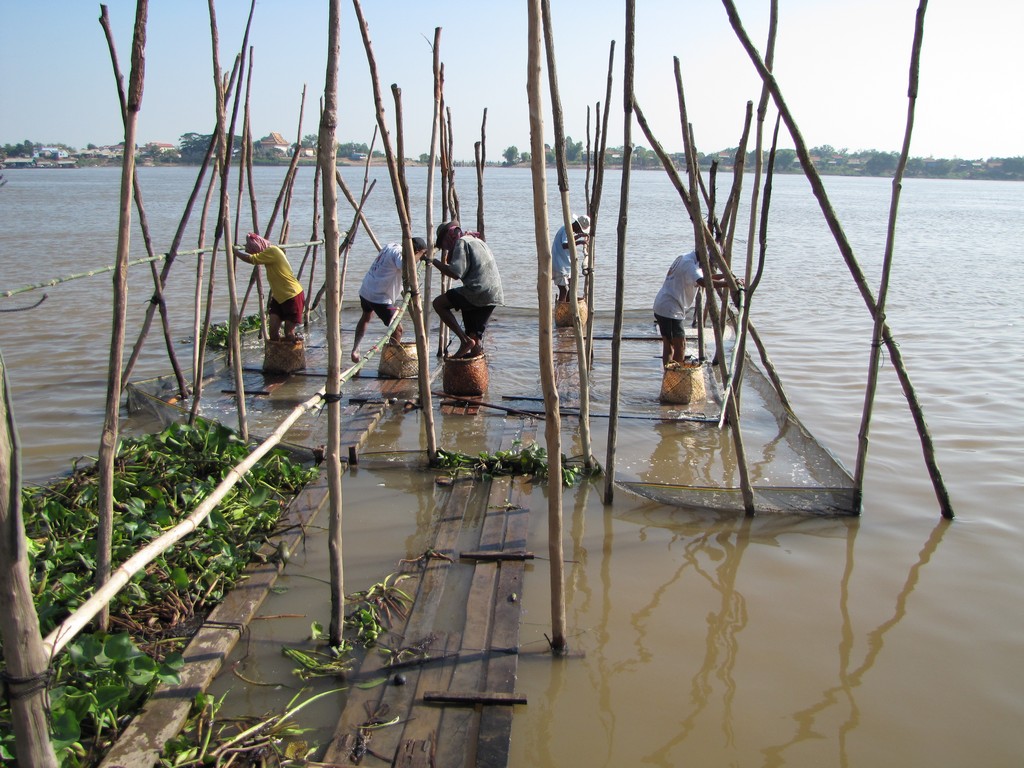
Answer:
[(561, 259), (672, 303), (381, 288)]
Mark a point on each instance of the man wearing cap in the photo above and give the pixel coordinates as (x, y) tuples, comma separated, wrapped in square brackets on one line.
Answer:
[(561, 258), (381, 287), (287, 299), (465, 257)]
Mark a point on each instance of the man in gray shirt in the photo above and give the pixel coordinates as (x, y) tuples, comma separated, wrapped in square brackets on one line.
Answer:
[(465, 257)]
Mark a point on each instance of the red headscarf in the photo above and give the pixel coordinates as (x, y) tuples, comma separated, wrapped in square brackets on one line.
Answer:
[(256, 244)]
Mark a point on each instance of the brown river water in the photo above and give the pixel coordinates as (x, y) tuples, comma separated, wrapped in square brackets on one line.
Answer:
[(890, 639)]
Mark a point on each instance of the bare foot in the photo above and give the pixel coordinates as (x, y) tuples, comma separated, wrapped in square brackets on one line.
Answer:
[(466, 349), (355, 356)]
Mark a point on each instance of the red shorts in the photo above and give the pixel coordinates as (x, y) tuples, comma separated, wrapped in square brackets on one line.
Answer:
[(290, 311)]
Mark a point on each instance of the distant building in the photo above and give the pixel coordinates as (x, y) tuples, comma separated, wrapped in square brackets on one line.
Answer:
[(275, 142)]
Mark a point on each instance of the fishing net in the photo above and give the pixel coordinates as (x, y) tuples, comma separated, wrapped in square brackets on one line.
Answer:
[(791, 471)]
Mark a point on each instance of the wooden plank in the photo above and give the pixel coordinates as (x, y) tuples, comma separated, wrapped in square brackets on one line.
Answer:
[(430, 581), (473, 697), (516, 554)]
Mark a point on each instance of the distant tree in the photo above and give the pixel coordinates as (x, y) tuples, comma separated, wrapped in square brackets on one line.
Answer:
[(90, 147), (511, 155), (785, 160), (525, 157), (193, 146), (573, 150), (825, 150), (881, 163), (309, 140)]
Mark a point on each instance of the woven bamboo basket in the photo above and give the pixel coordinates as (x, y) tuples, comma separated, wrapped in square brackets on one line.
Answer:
[(399, 361), (563, 313), (284, 356), (466, 375), (683, 385)]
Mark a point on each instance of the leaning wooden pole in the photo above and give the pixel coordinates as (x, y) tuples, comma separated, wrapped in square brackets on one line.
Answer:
[(846, 250), (109, 437), (158, 296), (552, 421), (404, 216), (327, 159), (620, 256), (701, 231), (26, 672), (594, 207), (435, 126), (563, 187), (224, 219), (883, 289)]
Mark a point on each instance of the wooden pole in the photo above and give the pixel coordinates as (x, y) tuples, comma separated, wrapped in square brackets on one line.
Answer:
[(846, 250), (701, 231), (327, 160), (890, 237), (552, 422), (26, 663), (224, 217), (480, 150), (594, 207), (620, 258), (201, 333), (429, 213), (109, 437), (563, 188), (158, 298), (404, 216), (172, 253)]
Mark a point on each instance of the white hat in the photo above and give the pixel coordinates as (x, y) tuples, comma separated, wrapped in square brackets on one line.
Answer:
[(584, 223)]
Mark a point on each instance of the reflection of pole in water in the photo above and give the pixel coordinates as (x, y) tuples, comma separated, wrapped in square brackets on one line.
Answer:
[(724, 627), (848, 680)]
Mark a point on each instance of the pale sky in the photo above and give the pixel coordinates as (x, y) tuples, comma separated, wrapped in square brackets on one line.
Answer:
[(842, 66)]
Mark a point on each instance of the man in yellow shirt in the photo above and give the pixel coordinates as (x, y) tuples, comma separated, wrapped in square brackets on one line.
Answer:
[(286, 297)]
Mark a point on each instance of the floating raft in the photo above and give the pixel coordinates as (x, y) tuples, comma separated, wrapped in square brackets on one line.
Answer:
[(452, 687)]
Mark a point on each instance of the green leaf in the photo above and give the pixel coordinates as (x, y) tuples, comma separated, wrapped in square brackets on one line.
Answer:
[(65, 730), (180, 578), (120, 647), (372, 683), (109, 697)]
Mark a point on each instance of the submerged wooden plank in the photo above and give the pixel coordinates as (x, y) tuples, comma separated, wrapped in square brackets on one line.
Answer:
[(473, 697)]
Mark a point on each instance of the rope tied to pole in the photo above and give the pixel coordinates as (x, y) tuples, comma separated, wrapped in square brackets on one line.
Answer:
[(22, 687)]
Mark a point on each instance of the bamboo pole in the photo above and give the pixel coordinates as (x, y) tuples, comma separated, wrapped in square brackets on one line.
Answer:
[(311, 253), (224, 216), (552, 422), (752, 281), (563, 188), (701, 230), (594, 206), (201, 333), (620, 256), (109, 436), (846, 250), (480, 151), (158, 297), (429, 213), (26, 672), (890, 237), (404, 216), (54, 642), (327, 154), (355, 206), (170, 256)]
